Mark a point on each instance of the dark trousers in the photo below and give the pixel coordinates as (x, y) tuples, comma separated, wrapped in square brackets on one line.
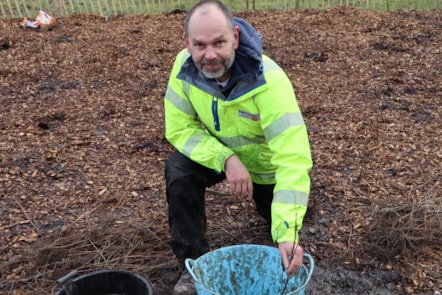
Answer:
[(186, 182)]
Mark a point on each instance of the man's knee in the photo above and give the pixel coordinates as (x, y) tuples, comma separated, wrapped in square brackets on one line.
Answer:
[(177, 166), (177, 160)]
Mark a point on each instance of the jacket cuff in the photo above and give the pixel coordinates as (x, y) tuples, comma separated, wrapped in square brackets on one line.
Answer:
[(221, 158), (283, 233)]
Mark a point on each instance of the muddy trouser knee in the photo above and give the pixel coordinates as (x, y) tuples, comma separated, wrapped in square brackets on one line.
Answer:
[(186, 182)]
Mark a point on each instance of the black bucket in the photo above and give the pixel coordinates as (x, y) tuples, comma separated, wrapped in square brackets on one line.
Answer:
[(105, 282)]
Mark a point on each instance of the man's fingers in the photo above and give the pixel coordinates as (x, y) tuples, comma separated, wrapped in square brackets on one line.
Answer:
[(295, 264), (285, 262), (234, 191), (241, 189), (250, 190), (245, 191)]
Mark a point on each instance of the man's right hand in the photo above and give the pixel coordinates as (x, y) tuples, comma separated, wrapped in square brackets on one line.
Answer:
[(239, 178)]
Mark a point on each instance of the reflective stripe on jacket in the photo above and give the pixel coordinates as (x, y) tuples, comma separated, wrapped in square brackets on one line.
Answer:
[(261, 124)]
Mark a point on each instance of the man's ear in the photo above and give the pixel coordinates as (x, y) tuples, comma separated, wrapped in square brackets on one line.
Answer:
[(186, 41), (236, 37)]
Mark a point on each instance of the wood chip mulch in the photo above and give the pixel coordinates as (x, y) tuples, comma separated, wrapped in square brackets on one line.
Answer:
[(82, 149)]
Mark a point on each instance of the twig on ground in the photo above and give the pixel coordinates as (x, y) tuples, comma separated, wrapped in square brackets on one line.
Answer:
[(26, 215), (216, 192)]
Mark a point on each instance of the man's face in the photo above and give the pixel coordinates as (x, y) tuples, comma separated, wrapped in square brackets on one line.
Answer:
[(211, 43)]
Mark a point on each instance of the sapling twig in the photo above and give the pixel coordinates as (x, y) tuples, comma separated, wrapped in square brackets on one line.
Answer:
[(293, 251)]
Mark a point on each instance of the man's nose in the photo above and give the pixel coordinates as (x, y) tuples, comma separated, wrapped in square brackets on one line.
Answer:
[(210, 53)]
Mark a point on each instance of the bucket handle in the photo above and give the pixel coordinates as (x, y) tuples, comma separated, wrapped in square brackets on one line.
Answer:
[(309, 270), (63, 280), (189, 265)]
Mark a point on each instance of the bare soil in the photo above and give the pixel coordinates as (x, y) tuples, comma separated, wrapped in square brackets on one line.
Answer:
[(83, 151)]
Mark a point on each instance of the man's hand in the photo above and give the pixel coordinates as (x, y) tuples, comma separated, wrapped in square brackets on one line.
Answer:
[(292, 261), (238, 178)]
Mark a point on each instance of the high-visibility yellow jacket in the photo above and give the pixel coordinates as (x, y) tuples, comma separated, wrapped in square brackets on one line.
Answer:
[(258, 119)]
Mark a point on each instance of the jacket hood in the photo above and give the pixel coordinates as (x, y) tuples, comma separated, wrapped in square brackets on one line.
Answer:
[(249, 52), (247, 67)]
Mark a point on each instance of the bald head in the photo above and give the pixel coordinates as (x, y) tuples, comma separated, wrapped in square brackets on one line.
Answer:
[(205, 8)]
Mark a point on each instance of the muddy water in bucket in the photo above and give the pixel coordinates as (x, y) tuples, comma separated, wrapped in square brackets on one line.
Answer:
[(245, 270), (106, 282)]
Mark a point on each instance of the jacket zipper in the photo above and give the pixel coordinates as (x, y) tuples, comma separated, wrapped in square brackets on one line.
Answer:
[(215, 113)]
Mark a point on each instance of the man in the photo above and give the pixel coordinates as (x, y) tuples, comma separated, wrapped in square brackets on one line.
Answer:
[(231, 113)]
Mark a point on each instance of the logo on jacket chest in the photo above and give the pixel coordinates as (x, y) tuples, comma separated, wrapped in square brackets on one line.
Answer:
[(247, 115)]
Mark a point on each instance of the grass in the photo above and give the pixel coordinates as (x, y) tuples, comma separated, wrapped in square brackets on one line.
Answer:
[(30, 8)]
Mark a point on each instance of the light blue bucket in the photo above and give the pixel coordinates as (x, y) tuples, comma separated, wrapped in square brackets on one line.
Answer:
[(244, 270)]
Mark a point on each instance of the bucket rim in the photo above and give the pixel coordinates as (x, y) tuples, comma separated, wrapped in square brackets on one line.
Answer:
[(309, 271), (72, 280), (96, 272)]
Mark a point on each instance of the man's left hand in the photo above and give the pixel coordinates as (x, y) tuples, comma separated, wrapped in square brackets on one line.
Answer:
[(292, 255)]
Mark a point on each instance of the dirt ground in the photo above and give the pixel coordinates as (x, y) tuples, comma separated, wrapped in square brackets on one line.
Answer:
[(82, 149)]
